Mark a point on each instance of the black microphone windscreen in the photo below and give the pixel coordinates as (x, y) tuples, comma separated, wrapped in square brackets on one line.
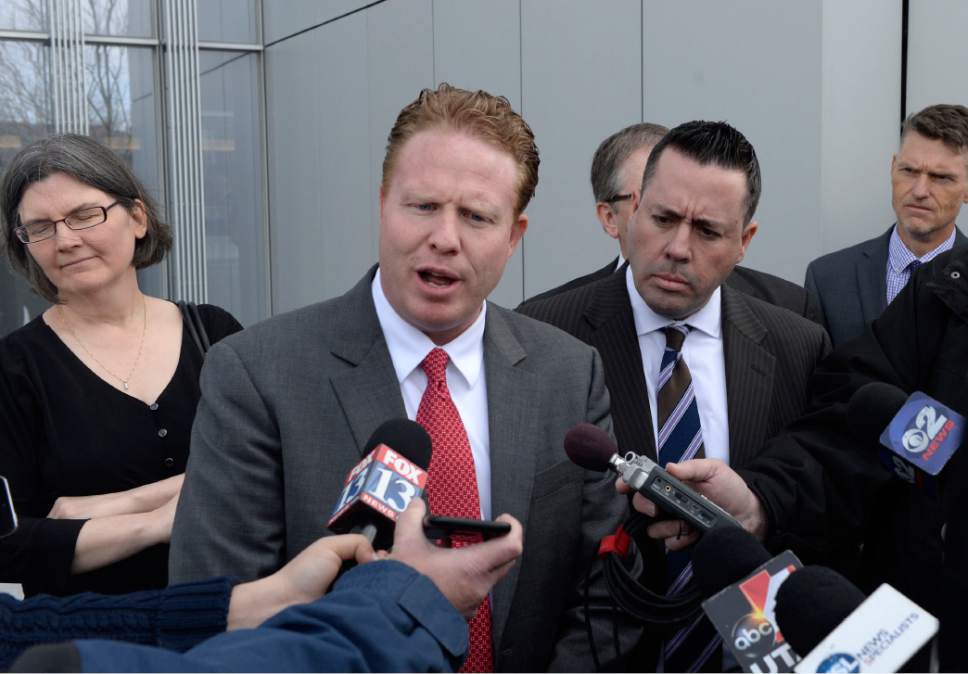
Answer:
[(811, 603), (726, 555), (404, 437), (871, 409), (589, 446)]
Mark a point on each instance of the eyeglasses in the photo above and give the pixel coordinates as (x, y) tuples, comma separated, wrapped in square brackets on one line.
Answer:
[(82, 219), (619, 197)]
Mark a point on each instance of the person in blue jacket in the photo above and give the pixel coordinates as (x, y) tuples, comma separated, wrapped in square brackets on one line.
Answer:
[(405, 611)]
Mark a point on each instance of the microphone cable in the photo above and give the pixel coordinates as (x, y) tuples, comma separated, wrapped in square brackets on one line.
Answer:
[(622, 574)]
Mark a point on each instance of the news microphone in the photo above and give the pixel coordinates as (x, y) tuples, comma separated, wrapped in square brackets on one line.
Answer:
[(591, 448), (828, 620), (724, 556), (918, 433), (381, 486), (741, 581)]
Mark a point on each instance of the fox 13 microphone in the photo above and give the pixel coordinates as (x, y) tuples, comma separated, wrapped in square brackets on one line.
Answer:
[(381, 486)]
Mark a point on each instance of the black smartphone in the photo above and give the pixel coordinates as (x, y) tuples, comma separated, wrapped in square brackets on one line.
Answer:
[(8, 516), (438, 526)]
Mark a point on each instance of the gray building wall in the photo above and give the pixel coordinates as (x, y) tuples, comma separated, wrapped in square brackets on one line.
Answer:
[(814, 85)]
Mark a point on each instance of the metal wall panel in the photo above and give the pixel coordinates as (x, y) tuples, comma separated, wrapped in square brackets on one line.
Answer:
[(859, 123), (757, 65), (581, 81), (282, 18), (318, 136), (466, 59)]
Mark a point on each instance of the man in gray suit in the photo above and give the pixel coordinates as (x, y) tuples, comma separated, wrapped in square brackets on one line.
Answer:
[(929, 183), (746, 361), (288, 405)]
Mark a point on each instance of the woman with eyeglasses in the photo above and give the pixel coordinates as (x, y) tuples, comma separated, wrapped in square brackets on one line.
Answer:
[(98, 394)]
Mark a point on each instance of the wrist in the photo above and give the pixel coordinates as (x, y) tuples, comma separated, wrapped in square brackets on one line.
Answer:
[(755, 520), (255, 602)]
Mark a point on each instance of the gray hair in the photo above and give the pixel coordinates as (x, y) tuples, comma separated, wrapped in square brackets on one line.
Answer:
[(614, 151), (89, 162)]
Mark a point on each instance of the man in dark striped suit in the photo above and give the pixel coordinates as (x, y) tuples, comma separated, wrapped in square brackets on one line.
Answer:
[(616, 176), (694, 367)]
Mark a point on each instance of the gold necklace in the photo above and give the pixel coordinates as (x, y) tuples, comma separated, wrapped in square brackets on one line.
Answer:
[(144, 329)]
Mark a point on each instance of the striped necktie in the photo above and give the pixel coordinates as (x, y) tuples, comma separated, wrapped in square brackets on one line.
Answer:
[(680, 439)]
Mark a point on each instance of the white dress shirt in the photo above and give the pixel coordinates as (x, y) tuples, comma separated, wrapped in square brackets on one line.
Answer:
[(703, 353), (408, 347)]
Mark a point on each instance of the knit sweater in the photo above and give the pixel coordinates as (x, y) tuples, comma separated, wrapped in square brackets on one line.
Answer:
[(176, 618)]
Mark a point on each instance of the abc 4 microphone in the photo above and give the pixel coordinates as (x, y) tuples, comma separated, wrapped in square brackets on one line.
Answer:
[(381, 486), (836, 629), (741, 582), (918, 433)]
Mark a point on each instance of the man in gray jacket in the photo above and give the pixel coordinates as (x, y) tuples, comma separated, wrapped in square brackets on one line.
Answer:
[(288, 405), (929, 183)]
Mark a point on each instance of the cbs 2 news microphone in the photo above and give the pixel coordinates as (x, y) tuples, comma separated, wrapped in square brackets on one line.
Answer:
[(918, 434)]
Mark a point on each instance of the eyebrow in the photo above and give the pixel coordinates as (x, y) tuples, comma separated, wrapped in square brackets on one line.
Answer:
[(702, 222), (85, 205)]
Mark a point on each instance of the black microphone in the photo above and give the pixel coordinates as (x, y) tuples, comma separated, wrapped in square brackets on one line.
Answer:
[(828, 620), (740, 579), (812, 603), (725, 556), (381, 486), (918, 433), (591, 448)]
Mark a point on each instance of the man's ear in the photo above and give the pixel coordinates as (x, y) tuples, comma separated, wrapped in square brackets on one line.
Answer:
[(606, 216), (518, 227), (748, 233), (383, 198)]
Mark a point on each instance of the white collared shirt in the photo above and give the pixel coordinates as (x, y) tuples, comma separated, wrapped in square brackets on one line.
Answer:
[(703, 353), (408, 347), (620, 262)]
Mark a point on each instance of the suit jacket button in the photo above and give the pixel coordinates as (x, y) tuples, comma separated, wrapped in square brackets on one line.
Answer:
[(956, 275), (169, 462), (153, 406), (162, 432)]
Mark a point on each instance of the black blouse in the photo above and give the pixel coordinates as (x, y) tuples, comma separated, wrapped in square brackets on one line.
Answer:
[(64, 431)]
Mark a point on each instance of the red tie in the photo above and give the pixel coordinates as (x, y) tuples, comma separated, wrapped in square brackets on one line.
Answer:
[(452, 486)]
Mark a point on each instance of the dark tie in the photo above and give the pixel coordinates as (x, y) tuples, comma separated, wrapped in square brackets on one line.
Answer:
[(452, 486), (680, 439)]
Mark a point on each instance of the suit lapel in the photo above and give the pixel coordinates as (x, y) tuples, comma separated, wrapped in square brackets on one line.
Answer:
[(612, 324), (511, 395), (872, 277), (368, 393), (749, 377)]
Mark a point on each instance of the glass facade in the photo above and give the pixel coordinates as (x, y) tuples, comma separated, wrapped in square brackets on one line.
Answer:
[(235, 238), (125, 86)]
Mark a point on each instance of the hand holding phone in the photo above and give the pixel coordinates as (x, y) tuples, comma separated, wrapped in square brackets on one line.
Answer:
[(438, 527)]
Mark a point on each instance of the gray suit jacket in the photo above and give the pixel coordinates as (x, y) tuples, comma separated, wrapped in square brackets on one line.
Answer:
[(288, 405), (850, 285)]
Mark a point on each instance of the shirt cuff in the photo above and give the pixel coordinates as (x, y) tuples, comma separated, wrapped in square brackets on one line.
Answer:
[(189, 613)]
